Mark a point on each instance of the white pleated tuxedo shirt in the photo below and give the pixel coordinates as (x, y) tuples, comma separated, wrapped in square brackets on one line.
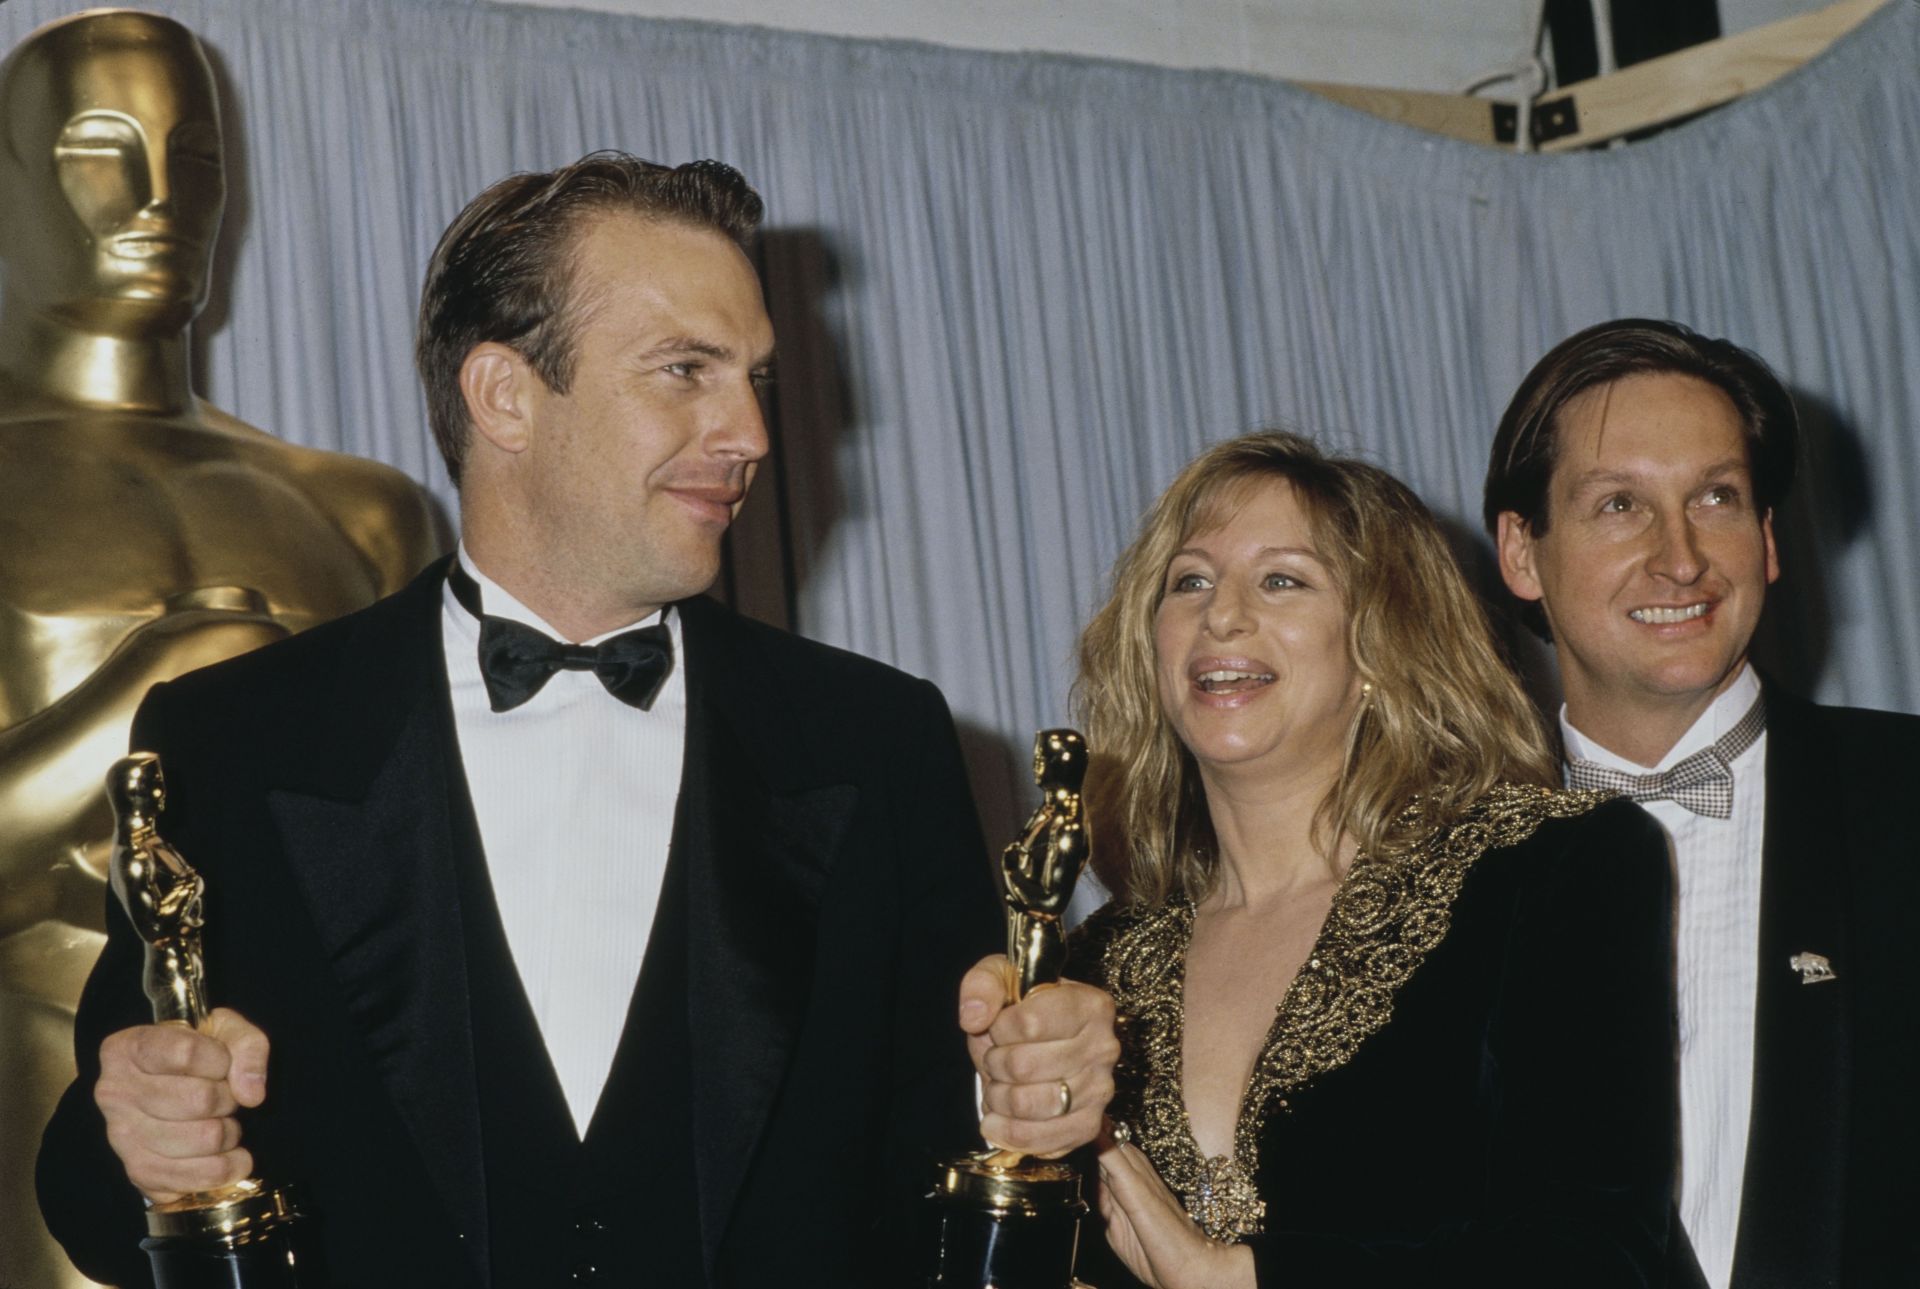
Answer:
[(574, 792), (1717, 973)]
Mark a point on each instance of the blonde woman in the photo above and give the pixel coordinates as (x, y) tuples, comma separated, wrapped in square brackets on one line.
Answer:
[(1398, 1011)]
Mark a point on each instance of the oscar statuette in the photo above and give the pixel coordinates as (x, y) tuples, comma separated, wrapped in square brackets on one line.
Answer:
[(1001, 1220), (240, 1236)]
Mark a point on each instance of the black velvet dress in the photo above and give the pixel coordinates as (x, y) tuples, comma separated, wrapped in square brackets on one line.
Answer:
[(1471, 1081)]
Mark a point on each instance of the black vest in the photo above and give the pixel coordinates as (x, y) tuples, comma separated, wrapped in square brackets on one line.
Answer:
[(620, 1207)]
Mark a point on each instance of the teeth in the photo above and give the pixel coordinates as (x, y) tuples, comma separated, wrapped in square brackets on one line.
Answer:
[(1661, 617), (1210, 680)]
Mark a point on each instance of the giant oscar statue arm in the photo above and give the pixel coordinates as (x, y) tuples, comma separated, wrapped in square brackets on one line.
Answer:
[(146, 532), (57, 824)]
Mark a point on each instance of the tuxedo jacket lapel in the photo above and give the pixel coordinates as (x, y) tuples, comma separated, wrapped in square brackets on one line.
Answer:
[(758, 833), (1793, 1196), (364, 810), (1683, 1265)]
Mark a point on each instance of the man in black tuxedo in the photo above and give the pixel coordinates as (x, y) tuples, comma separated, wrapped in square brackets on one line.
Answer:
[(1631, 494), (435, 835)]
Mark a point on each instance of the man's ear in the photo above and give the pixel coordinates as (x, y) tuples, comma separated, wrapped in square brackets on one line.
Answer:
[(1516, 549), (1773, 554), (497, 384)]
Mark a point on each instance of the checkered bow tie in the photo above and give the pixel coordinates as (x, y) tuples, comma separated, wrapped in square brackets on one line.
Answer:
[(1702, 783)]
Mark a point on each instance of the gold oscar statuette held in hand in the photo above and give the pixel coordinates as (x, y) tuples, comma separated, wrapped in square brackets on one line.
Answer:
[(241, 1235), (999, 1219)]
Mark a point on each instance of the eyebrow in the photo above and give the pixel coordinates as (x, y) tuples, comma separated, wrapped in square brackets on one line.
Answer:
[(688, 345), (1264, 552), (703, 349), (1595, 478)]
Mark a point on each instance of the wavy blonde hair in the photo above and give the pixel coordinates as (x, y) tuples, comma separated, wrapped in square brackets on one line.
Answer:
[(1445, 719)]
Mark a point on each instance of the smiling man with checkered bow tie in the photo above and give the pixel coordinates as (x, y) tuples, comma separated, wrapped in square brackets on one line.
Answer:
[(1631, 494)]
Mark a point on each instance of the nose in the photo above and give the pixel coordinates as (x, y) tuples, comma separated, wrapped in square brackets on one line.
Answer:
[(1677, 555), (159, 182), (1226, 612), (739, 429)]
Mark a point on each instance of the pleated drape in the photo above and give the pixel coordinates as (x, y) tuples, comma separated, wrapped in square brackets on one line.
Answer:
[(1014, 293)]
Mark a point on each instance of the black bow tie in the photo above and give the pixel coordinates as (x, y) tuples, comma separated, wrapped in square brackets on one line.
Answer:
[(516, 661)]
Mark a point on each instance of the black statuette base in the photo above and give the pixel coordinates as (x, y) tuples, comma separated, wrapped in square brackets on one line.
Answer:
[(978, 1249), (182, 1262)]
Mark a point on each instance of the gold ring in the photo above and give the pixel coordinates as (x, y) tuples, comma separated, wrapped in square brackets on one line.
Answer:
[(1066, 1099), (1122, 1134)]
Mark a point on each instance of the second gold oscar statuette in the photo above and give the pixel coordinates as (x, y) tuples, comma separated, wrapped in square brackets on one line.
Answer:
[(1000, 1220)]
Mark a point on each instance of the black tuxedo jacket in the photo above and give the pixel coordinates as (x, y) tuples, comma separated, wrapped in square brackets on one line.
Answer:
[(1833, 1145), (825, 892)]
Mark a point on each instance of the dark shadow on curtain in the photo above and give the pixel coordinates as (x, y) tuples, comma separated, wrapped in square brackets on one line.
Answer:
[(1529, 656), (796, 495), (1830, 505), (996, 773)]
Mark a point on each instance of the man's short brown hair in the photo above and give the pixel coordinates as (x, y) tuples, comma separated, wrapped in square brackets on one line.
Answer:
[(503, 271), (1527, 444)]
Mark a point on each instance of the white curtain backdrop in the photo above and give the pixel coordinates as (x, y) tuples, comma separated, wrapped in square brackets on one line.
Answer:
[(1014, 293)]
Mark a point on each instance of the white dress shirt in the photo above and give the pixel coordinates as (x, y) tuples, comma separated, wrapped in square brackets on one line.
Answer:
[(574, 792), (1717, 970)]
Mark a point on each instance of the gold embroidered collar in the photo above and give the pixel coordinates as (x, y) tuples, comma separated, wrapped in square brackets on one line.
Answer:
[(1387, 915)]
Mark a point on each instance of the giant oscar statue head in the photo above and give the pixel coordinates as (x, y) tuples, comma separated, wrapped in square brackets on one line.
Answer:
[(146, 532), (111, 190)]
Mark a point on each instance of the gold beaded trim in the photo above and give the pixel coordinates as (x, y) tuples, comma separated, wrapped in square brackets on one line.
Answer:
[(1388, 914)]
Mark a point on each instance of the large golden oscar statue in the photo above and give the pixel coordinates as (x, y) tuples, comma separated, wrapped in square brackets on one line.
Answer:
[(144, 533)]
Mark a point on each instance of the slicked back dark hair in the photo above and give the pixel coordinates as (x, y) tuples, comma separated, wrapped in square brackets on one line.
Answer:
[(503, 271), (1527, 445)]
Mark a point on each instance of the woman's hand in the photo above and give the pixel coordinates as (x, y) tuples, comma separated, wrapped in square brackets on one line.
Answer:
[(1149, 1229), (1045, 1063)]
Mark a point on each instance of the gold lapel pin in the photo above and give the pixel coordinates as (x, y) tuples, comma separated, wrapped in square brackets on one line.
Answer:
[(1813, 967)]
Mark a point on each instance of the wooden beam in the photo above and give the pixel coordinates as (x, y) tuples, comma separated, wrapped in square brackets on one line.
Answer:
[(1636, 98), (1458, 116)]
